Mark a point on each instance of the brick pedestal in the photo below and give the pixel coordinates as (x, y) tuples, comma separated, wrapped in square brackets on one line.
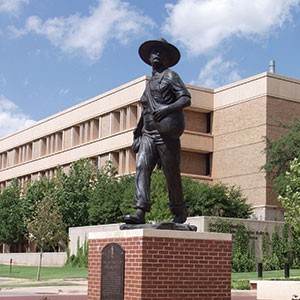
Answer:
[(166, 264)]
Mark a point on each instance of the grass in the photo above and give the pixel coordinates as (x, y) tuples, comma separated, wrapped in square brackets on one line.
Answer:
[(26, 272), (241, 281), (279, 274)]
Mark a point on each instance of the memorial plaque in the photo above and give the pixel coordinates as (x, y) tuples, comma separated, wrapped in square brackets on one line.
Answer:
[(112, 272)]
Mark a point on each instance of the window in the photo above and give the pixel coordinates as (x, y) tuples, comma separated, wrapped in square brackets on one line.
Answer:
[(198, 121), (195, 163)]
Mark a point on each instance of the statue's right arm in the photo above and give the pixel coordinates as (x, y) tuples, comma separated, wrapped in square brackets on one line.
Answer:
[(137, 133), (138, 130)]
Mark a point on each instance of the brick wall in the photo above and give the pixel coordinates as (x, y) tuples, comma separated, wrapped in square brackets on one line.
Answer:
[(166, 268)]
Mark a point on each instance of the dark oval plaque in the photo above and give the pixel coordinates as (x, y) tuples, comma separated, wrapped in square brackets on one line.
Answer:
[(112, 272)]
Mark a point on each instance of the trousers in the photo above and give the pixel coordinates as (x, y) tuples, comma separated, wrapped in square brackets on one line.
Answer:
[(167, 151)]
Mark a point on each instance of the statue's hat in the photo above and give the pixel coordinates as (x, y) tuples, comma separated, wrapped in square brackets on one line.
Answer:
[(172, 53)]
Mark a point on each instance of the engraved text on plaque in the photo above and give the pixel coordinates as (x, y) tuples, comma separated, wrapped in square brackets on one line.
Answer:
[(112, 272)]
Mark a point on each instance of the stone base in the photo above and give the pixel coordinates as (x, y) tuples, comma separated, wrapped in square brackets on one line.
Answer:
[(166, 264), (276, 289), (268, 213), (162, 226)]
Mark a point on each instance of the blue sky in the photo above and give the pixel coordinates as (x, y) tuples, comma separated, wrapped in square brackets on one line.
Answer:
[(56, 53)]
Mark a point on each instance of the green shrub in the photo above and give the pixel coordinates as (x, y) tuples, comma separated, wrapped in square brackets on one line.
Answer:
[(281, 248), (81, 257), (243, 258), (240, 285), (243, 252), (218, 200)]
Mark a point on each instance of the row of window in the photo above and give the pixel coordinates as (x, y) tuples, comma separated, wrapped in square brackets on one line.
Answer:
[(90, 130), (192, 163), (103, 126)]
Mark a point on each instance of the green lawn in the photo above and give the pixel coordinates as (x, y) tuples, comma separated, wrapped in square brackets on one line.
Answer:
[(266, 275), (241, 281), (26, 272)]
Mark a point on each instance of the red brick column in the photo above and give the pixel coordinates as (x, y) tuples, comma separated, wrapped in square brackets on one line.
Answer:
[(166, 265)]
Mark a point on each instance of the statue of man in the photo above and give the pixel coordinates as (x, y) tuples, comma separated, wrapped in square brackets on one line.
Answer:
[(156, 137)]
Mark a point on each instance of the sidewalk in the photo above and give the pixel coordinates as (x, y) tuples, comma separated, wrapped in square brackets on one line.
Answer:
[(76, 291), (243, 295), (61, 287)]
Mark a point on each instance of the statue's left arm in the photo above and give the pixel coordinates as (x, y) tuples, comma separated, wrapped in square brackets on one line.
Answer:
[(182, 97)]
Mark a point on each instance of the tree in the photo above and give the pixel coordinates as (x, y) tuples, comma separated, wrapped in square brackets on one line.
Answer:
[(281, 152), (73, 192), (46, 227), (201, 199), (126, 184), (34, 192), (214, 200), (160, 198), (12, 227), (290, 199), (105, 200)]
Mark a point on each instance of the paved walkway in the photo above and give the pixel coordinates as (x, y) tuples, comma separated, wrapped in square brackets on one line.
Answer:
[(243, 295), (69, 289), (67, 292), (48, 297)]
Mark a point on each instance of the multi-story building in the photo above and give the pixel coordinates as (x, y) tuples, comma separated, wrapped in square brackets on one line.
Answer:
[(224, 140)]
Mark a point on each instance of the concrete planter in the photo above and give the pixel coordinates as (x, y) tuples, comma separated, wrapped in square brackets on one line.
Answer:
[(276, 289)]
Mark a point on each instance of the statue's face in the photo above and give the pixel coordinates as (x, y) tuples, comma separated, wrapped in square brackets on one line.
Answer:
[(157, 57)]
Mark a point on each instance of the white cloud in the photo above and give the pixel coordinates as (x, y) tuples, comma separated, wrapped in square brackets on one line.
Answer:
[(203, 25), (26, 82), (217, 72), (63, 92), (11, 119), (109, 20), (3, 80), (12, 7)]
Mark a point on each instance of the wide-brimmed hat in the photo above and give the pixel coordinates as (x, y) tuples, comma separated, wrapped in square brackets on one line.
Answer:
[(172, 57)]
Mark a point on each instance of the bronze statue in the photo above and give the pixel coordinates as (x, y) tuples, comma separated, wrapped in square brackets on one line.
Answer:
[(156, 137)]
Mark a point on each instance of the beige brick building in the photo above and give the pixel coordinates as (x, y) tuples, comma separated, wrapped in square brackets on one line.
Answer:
[(223, 141)]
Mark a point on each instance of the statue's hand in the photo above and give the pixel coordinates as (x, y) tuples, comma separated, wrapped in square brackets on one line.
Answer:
[(137, 132), (160, 113), (136, 144)]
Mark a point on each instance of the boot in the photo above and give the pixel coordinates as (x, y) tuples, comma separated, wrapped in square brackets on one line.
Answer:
[(180, 217), (137, 218)]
